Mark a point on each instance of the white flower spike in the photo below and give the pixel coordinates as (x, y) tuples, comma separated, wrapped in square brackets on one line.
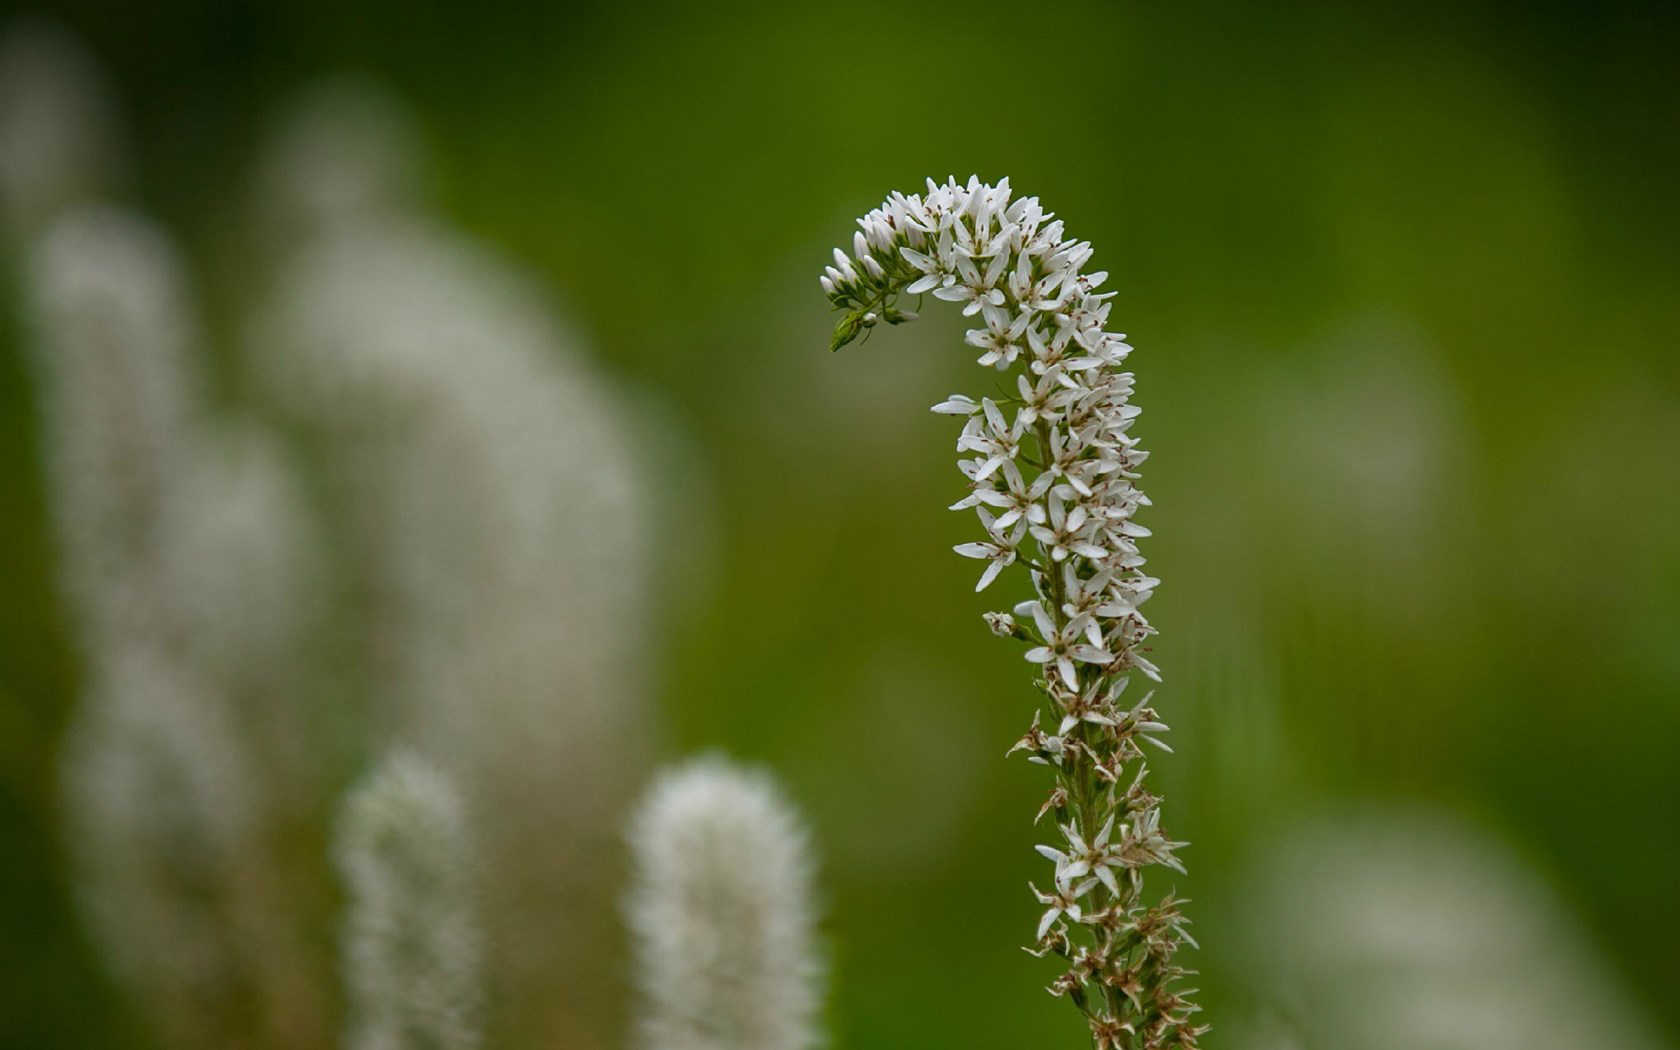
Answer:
[(1052, 476), (412, 947), (721, 912)]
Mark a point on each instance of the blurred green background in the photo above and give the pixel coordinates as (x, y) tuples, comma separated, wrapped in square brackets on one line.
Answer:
[(1404, 291)]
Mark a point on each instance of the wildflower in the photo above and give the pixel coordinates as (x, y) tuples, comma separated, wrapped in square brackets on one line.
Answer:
[(412, 949), (720, 909), (160, 816), (114, 333), (496, 481), (1052, 471), (1065, 901), (998, 556), (1064, 643), (184, 570)]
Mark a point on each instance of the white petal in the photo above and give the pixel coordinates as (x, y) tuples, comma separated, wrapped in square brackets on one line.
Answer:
[(956, 405), (1107, 878), (921, 262), (1065, 666), (1051, 853), (1047, 921), (1046, 627)]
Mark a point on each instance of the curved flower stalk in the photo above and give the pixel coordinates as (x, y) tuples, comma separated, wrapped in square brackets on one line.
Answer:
[(1052, 471), (721, 912), (412, 948)]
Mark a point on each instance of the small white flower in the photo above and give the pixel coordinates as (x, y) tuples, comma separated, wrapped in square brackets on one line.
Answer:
[(1079, 639), (1065, 532), (1065, 901), (1000, 339), (975, 288), (997, 441), (997, 555), (1095, 858)]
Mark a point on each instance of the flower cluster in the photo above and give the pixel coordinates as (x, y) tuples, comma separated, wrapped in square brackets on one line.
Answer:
[(1052, 471)]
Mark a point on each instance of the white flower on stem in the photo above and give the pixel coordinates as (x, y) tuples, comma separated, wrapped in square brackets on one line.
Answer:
[(1017, 498), (975, 288), (1085, 595), (999, 555), (1141, 843), (1063, 471), (1063, 532), (1079, 639), (1093, 705), (996, 440), (1065, 901), (1000, 339), (1095, 858), (1103, 859), (1046, 398)]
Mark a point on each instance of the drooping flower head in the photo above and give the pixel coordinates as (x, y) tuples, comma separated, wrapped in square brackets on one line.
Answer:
[(721, 912), (1052, 473)]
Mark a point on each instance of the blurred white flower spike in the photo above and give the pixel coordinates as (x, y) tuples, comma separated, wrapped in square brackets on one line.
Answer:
[(1382, 929), (346, 154), (1052, 472), (413, 952), (158, 822), (488, 488), (721, 911), (156, 554), (111, 333)]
